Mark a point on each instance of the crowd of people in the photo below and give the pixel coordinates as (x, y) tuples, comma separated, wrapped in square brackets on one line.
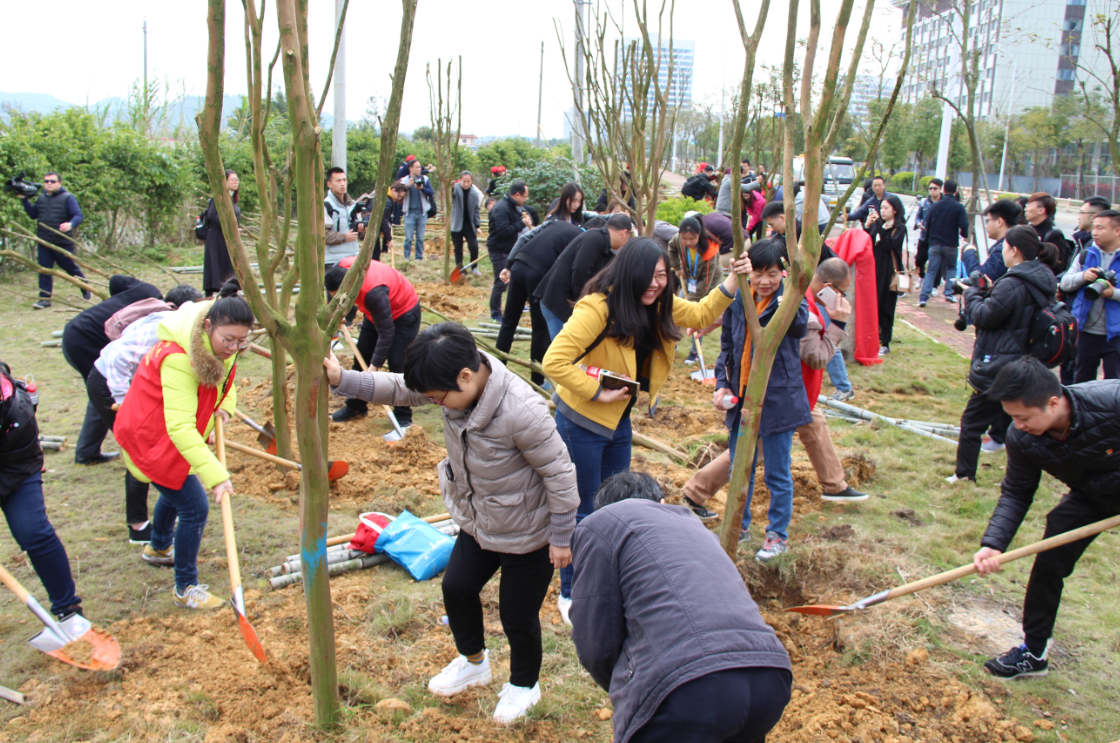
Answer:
[(534, 492)]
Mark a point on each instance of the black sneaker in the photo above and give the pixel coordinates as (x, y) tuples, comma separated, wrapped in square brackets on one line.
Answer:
[(847, 495), (140, 536), (76, 609), (692, 359), (102, 458), (42, 304), (86, 295), (1019, 661), (700, 510), (347, 413), (495, 317)]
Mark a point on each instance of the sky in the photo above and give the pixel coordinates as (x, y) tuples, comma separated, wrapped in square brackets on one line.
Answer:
[(96, 54)]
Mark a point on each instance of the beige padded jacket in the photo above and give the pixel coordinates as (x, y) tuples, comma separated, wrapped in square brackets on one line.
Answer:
[(507, 480)]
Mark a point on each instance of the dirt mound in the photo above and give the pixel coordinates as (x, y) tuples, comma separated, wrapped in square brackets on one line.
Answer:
[(678, 425)]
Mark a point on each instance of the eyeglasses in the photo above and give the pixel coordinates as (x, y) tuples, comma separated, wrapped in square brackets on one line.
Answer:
[(50, 180), (440, 401), (234, 344)]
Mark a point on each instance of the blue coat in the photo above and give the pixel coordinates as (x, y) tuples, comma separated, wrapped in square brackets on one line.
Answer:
[(1082, 304), (786, 405)]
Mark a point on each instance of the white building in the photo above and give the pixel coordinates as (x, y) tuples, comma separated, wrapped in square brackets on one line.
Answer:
[(680, 87), (1030, 51), (865, 89)]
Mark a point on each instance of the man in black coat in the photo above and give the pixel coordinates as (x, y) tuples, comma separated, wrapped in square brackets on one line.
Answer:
[(584, 257), (1003, 315), (506, 221), (1070, 433), (383, 243), (55, 209), (700, 186), (945, 219), (82, 341), (1039, 212), (529, 261), (677, 642)]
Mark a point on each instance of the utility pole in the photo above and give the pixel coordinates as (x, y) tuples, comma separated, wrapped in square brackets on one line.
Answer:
[(540, 97), (338, 136), (147, 119), (577, 119)]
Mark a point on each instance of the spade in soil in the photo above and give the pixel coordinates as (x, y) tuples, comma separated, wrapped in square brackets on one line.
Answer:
[(266, 437)]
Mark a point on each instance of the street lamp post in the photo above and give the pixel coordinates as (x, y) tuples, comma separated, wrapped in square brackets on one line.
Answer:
[(1007, 134)]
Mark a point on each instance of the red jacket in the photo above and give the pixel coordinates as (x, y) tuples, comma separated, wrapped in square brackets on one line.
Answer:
[(402, 295)]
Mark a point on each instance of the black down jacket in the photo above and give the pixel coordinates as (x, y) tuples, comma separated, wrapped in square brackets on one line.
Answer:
[(1003, 318), (1088, 461)]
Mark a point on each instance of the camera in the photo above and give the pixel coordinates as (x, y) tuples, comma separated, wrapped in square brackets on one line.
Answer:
[(1093, 290), (17, 185), (960, 323), (361, 213)]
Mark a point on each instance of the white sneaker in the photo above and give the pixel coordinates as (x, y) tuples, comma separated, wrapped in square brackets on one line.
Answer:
[(991, 446), (515, 701), (460, 675), (565, 606)]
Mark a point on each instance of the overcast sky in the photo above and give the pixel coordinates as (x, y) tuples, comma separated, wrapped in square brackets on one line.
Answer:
[(89, 51)]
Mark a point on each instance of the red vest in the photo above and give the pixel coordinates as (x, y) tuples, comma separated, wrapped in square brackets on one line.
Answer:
[(141, 428), (813, 377), (402, 295)]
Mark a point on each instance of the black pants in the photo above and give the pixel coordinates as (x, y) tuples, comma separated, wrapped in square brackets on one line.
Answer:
[(523, 282), (472, 245), (1051, 568), (1067, 371), (49, 259), (888, 301), (499, 262), (740, 705), (524, 584), (94, 430), (407, 327), (135, 492), (921, 257), (979, 414), (1092, 351)]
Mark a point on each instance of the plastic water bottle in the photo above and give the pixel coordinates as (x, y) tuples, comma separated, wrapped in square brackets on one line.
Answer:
[(32, 390), (728, 401)]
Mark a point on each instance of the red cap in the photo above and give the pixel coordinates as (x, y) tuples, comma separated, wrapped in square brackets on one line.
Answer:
[(410, 158)]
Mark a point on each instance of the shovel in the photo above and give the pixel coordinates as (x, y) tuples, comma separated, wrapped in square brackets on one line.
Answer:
[(59, 638), (703, 374), (337, 470), (238, 598), (824, 610), (266, 434), (397, 433), (458, 271)]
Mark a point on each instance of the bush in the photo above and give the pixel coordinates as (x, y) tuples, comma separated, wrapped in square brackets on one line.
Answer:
[(903, 181), (673, 210), (546, 178), (925, 179)]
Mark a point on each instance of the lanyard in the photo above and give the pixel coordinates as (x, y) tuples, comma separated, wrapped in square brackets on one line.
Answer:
[(693, 268)]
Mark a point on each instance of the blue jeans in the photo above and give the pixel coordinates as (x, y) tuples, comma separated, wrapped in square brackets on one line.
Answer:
[(595, 458), (190, 504), (838, 373), (414, 225), (941, 258), (777, 476), (27, 519), (555, 324)]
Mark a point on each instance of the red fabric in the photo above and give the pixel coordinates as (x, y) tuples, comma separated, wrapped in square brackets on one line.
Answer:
[(402, 295), (813, 377), (366, 536), (854, 248), (141, 428)]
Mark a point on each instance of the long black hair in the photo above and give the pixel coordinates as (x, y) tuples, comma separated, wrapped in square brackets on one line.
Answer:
[(560, 211), (623, 281), (229, 308), (695, 226)]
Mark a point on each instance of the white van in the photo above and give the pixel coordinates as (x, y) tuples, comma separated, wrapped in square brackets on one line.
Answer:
[(838, 174)]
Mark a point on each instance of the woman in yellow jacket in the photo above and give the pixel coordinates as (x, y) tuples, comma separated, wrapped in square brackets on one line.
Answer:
[(165, 419), (626, 322)]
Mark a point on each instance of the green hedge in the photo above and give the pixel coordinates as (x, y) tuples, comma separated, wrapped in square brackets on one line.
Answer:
[(673, 210)]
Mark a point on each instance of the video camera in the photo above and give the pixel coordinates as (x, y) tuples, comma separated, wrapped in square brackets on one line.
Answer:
[(17, 185)]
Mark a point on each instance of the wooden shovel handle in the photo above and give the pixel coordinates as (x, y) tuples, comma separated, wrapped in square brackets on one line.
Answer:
[(260, 350), (263, 455), (365, 367), (14, 585), (227, 512), (1031, 549)]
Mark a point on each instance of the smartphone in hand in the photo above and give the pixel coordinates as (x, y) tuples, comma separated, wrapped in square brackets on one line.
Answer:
[(828, 297)]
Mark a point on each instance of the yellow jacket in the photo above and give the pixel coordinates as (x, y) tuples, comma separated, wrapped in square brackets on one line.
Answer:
[(588, 320)]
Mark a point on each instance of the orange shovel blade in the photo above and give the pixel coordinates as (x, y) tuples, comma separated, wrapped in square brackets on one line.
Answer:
[(819, 610), (337, 470), (104, 652), (456, 275), (250, 635)]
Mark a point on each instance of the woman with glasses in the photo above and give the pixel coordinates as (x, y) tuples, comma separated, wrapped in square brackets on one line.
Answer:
[(217, 266), (164, 422), (626, 322)]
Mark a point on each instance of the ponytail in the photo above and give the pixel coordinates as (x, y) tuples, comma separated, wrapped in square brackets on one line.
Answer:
[(230, 308)]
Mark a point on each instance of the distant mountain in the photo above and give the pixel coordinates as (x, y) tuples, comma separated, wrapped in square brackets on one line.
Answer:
[(116, 107)]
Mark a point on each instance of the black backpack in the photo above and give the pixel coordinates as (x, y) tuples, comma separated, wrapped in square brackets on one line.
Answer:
[(202, 223), (1053, 339), (694, 188)]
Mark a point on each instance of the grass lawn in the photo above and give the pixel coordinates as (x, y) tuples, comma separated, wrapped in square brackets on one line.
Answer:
[(188, 676)]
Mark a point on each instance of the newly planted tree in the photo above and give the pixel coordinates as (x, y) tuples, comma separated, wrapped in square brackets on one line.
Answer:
[(307, 335), (446, 108)]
